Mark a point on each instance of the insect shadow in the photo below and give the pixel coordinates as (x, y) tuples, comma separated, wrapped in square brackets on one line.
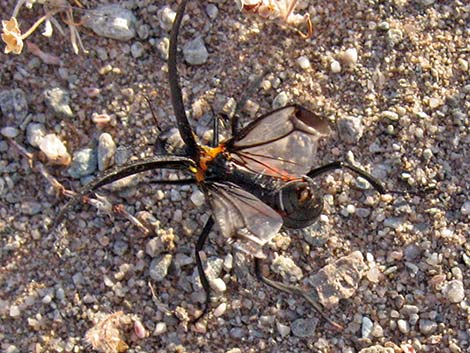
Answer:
[(255, 182)]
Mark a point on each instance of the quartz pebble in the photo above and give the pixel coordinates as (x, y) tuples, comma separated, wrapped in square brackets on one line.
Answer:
[(335, 67), (303, 62), (34, 133), (54, 149), (106, 151), (350, 57)]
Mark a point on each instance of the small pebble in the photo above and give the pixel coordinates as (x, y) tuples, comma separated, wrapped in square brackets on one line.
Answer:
[(403, 326), (14, 311), (465, 209), (10, 132), (111, 21), (137, 49), (454, 291), (218, 285), (286, 268), (335, 67), (367, 326), (198, 198), (160, 329), (280, 100), (106, 151), (34, 133), (166, 17), (303, 62), (195, 52), (212, 11), (13, 105), (159, 267), (143, 31), (303, 328), (220, 310), (350, 129), (58, 100), (283, 330), (54, 149), (387, 114), (350, 57), (427, 327), (84, 162), (120, 247)]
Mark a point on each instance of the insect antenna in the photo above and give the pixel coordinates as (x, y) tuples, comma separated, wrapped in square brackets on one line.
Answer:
[(192, 149)]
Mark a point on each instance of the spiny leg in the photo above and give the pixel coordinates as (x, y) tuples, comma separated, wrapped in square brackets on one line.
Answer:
[(200, 268), (293, 290)]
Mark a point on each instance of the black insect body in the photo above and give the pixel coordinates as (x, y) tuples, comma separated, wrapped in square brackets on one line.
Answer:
[(255, 182)]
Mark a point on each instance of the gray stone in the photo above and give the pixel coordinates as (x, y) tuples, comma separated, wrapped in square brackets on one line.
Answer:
[(454, 291), (137, 50), (58, 100), (287, 268), (350, 129), (159, 267), (427, 327), (339, 280), (195, 52), (304, 327), (111, 21), (13, 105), (120, 247), (280, 100), (84, 162)]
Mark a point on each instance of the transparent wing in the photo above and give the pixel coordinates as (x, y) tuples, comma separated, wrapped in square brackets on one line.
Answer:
[(242, 217), (282, 143)]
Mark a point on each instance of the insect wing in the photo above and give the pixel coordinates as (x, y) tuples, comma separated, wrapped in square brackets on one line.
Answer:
[(281, 143), (242, 216)]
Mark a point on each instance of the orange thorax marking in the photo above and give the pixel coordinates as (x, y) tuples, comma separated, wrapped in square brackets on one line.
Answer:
[(208, 154)]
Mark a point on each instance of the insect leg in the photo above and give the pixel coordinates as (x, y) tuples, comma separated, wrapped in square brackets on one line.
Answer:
[(200, 268), (344, 165), (294, 291)]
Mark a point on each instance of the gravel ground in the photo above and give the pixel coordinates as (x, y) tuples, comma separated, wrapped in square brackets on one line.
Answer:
[(392, 76)]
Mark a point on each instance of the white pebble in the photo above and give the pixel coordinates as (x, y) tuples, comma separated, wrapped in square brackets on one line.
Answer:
[(303, 62), (10, 132), (350, 56), (218, 285), (160, 329), (15, 311), (367, 326), (283, 330), (335, 67), (220, 310), (54, 149), (34, 133)]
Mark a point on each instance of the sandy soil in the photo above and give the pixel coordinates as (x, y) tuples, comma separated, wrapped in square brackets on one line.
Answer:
[(410, 89)]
